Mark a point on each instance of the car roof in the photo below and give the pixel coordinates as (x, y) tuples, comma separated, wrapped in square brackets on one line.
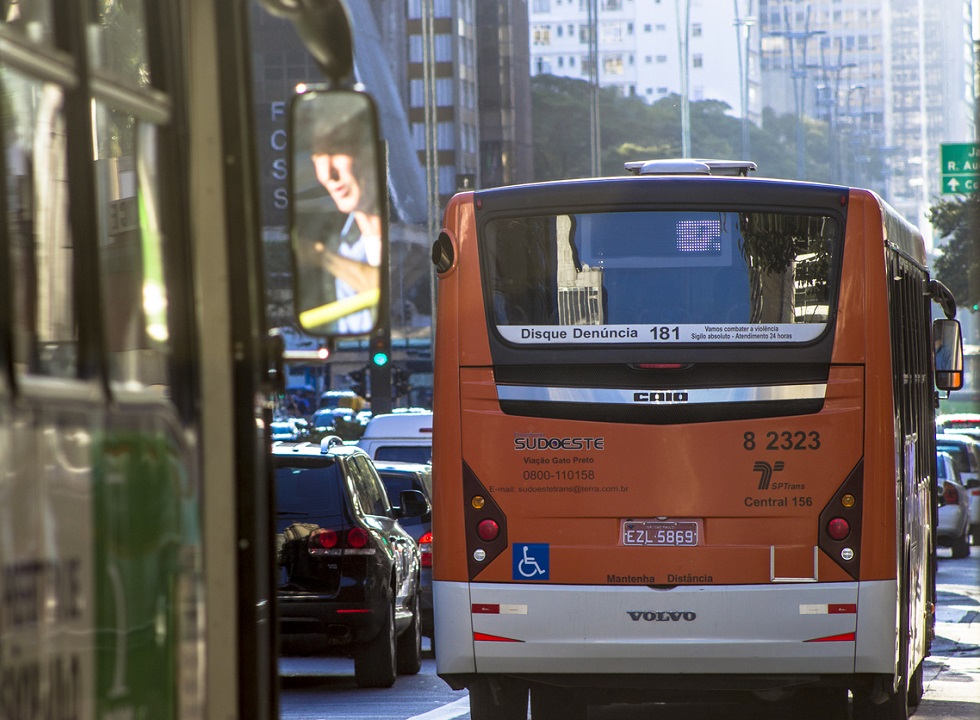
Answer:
[(954, 437), (401, 466), (331, 446)]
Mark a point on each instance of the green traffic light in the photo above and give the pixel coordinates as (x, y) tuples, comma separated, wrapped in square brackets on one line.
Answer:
[(380, 359)]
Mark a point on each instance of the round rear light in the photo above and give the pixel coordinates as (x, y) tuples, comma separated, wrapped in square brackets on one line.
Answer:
[(357, 537), (950, 495), (838, 528), (323, 538), (488, 530)]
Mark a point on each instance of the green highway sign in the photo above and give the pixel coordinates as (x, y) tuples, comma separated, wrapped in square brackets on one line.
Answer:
[(960, 165)]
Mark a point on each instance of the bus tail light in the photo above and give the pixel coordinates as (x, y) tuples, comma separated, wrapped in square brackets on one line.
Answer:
[(425, 547), (484, 541), (487, 530), (839, 529)]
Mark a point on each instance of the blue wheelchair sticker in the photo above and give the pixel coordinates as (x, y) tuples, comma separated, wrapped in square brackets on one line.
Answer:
[(530, 561)]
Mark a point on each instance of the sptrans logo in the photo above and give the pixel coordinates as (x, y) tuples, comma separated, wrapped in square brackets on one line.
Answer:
[(540, 441)]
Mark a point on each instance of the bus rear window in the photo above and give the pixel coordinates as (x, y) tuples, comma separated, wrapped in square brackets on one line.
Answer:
[(655, 276)]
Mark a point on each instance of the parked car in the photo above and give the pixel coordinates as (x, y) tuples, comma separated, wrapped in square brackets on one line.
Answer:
[(953, 530), (959, 423), (398, 477), (405, 436), (965, 451), (349, 574)]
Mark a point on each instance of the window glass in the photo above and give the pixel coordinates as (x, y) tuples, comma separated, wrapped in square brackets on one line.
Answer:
[(130, 251), (30, 18), (305, 491), (405, 453), (370, 493), (642, 277), (45, 328), (117, 43)]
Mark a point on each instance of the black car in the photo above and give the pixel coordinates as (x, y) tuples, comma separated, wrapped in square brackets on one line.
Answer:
[(349, 574), (400, 476)]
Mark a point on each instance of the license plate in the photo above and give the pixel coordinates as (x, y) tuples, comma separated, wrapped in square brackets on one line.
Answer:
[(662, 533)]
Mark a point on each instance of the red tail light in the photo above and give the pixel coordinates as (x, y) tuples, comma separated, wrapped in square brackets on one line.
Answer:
[(488, 530), (838, 528), (425, 546), (951, 495), (323, 538), (357, 537)]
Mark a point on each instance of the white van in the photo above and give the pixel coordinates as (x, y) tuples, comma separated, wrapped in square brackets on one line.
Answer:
[(406, 437)]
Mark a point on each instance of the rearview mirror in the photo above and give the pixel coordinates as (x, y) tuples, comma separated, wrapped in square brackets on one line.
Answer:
[(337, 224), (948, 344)]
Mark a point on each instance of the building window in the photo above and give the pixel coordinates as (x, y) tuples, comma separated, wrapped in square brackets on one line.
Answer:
[(583, 34), (696, 30), (561, 61), (697, 60), (444, 48), (416, 92), (541, 34), (662, 91), (661, 59), (661, 27), (444, 92), (648, 59), (648, 27), (571, 61), (445, 136), (612, 65), (559, 30), (418, 135), (541, 6), (612, 32), (447, 180), (612, 4)]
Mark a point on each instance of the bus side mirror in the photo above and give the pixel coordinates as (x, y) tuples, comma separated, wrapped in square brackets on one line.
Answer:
[(947, 340), (337, 224)]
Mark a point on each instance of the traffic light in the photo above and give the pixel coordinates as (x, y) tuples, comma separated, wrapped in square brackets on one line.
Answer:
[(399, 381), (380, 350), (357, 384)]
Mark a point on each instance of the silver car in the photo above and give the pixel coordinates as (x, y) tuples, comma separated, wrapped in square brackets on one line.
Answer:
[(965, 451), (953, 530)]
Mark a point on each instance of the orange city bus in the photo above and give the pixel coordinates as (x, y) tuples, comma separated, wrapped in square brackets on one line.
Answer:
[(684, 441)]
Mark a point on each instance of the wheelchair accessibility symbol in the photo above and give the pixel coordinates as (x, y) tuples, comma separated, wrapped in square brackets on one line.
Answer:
[(530, 561)]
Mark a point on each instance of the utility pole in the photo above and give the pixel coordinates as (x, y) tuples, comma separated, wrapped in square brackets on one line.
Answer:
[(833, 142), (595, 141), (431, 147), (683, 28), (799, 80), (743, 72)]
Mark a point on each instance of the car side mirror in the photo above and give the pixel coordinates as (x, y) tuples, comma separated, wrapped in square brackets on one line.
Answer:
[(972, 483), (338, 231), (412, 503)]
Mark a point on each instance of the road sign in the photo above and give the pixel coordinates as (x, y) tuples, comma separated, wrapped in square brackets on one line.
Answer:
[(960, 165)]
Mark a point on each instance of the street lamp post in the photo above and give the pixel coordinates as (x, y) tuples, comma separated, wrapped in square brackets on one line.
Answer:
[(743, 72), (682, 35), (799, 81)]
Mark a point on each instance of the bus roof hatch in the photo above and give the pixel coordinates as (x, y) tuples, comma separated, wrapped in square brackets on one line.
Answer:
[(689, 166)]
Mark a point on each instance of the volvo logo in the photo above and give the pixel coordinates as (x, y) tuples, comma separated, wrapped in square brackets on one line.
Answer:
[(661, 616), (660, 396)]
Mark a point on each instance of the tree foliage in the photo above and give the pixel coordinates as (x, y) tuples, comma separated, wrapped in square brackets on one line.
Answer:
[(631, 129), (958, 267)]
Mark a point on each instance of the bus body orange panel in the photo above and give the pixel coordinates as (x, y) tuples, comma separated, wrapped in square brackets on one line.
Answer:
[(446, 471), (851, 323), (878, 560), (776, 470)]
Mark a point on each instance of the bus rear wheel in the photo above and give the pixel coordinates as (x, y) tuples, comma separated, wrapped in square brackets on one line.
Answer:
[(498, 698), (556, 703)]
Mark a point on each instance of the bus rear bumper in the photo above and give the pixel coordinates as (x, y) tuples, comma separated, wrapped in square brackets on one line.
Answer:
[(807, 629)]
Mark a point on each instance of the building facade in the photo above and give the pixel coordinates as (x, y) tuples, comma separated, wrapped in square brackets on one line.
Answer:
[(638, 49)]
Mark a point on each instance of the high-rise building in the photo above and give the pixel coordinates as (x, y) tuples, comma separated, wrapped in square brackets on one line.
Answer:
[(638, 48), (892, 77)]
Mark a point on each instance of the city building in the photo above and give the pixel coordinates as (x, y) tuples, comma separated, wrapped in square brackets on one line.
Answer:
[(636, 42), (893, 78)]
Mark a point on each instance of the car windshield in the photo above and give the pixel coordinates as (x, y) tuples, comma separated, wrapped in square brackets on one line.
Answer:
[(405, 453), (941, 470)]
